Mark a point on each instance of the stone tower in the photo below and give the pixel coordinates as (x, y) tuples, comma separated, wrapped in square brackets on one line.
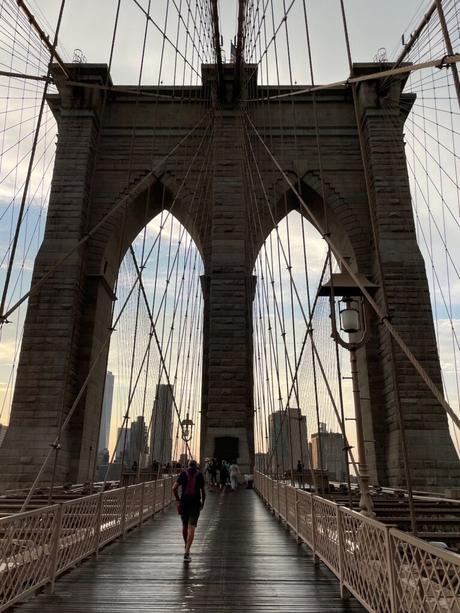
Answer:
[(67, 320)]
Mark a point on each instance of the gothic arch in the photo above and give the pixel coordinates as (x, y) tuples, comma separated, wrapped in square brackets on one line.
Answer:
[(345, 226)]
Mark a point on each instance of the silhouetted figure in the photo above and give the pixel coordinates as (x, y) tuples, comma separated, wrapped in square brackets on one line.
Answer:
[(300, 472), (214, 467), (190, 502), (224, 474)]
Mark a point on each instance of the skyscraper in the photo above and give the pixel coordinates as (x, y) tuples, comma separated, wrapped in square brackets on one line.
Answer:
[(138, 448), (287, 430), (122, 436), (332, 452), (106, 413), (162, 425)]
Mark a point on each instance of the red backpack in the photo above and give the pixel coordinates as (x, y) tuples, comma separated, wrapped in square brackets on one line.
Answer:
[(190, 488)]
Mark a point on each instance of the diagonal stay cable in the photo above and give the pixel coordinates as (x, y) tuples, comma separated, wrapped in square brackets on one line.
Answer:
[(135, 191), (343, 261), (441, 62), (155, 335), (78, 397)]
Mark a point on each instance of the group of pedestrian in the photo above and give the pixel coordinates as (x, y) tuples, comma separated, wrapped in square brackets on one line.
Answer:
[(189, 492), (222, 473)]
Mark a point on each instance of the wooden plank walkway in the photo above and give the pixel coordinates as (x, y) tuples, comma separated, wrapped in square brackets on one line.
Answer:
[(243, 560)]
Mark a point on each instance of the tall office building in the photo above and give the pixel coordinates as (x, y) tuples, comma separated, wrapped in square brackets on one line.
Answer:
[(162, 425), (287, 430), (332, 452), (122, 434), (106, 414), (138, 447)]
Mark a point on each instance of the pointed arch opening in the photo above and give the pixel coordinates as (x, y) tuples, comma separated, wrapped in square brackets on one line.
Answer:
[(301, 378), (149, 417)]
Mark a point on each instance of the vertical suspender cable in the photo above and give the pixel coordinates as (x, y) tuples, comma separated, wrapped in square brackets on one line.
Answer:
[(30, 166)]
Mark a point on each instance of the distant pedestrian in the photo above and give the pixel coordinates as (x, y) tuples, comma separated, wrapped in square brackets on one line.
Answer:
[(190, 502), (300, 473), (223, 475), (234, 471), (214, 471)]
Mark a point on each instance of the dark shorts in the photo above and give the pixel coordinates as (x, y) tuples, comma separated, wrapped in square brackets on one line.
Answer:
[(190, 514)]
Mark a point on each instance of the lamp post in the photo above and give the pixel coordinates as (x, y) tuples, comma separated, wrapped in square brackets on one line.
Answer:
[(353, 322), (187, 429)]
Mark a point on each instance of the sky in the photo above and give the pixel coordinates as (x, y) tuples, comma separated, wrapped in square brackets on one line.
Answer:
[(373, 25)]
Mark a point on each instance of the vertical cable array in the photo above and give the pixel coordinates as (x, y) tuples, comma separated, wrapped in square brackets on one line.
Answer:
[(432, 132)]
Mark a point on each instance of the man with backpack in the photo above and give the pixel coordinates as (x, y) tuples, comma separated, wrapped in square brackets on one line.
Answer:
[(190, 502)]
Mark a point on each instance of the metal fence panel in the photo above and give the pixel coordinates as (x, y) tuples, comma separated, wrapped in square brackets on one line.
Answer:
[(387, 570), (26, 552), (38, 545)]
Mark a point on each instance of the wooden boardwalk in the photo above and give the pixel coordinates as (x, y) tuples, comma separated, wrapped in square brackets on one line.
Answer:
[(243, 560)]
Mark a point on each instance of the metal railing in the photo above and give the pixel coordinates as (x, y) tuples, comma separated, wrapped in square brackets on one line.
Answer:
[(37, 546), (385, 569)]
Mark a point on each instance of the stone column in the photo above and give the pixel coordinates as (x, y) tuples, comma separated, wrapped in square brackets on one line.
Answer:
[(48, 371), (432, 458), (228, 286)]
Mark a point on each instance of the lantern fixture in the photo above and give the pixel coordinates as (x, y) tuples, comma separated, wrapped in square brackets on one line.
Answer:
[(350, 316), (187, 428)]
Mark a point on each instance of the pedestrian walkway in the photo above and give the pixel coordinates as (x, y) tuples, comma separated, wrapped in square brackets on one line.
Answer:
[(243, 560)]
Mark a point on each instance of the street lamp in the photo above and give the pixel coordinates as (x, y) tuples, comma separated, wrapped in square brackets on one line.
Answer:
[(353, 321), (187, 428)]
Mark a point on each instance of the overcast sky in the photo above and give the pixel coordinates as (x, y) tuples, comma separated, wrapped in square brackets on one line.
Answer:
[(373, 24)]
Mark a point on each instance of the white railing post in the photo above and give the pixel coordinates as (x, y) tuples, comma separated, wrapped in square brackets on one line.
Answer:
[(344, 594), (313, 529), (278, 498), (98, 526), (55, 547), (154, 499), (141, 505), (164, 495), (123, 513), (390, 557), (286, 505), (296, 507)]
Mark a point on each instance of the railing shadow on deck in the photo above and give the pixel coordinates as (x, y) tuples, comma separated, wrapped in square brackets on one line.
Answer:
[(37, 546), (385, 569)]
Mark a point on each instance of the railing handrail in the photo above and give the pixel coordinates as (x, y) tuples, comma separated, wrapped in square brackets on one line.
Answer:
[(387, 570), (24, 514)]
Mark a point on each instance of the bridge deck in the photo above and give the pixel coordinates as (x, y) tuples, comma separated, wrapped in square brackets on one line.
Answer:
[(243, 560)]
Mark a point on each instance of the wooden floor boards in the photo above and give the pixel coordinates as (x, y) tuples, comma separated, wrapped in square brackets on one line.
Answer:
[(243, 560)]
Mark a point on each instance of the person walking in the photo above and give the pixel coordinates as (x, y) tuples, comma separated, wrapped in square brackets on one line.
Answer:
[(189, 502), (214, 471), (223, 475), (234, 475)]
